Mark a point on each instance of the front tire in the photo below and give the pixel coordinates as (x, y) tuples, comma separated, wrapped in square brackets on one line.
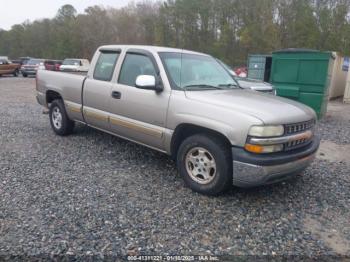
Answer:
[(59, 120), (205, 163), (15, 74), (24, 75)]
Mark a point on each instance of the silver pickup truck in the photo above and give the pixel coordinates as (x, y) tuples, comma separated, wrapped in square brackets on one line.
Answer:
[(186, 105)]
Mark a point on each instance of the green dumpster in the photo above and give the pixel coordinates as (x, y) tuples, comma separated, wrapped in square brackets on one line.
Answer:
[(303, 75), (259, 67)]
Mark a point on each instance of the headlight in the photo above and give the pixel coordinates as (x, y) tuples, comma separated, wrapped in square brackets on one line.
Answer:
[(266, 131)]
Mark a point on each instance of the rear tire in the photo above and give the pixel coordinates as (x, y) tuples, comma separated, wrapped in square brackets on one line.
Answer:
[(15, 74), (24, 75), (205, 163), (59, 120)]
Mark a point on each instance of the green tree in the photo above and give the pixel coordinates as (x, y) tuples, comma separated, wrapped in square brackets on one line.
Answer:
[(227, 29), (66, 12)]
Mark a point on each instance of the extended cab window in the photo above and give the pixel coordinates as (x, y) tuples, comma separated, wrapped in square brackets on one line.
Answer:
[(135, 65), (105, 66)]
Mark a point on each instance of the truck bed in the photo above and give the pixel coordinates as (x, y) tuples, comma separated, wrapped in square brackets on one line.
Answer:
[(68, 84), (73, 72)]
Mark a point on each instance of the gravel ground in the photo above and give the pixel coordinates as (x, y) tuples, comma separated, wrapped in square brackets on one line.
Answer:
[(92, 194)]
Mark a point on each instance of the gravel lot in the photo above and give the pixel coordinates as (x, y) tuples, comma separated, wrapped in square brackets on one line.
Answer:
[(96, 195)]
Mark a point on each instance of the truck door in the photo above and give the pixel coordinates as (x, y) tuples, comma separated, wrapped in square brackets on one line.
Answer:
[(138, 114), (4, 67), (97, 90)]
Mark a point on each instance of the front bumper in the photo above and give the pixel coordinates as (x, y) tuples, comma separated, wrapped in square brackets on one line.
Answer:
[(251, 170), (28, 71)]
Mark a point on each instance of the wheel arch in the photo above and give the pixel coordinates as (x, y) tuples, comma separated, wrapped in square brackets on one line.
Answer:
[(52, 95), (186, 130)]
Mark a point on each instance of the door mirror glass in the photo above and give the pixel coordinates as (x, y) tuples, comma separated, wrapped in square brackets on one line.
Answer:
[(146, 82)]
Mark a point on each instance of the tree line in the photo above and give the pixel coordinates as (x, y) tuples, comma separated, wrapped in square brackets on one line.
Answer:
[(227, 29)]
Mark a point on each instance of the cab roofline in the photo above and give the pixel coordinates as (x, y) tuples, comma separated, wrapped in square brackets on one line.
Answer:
[(151, 49)]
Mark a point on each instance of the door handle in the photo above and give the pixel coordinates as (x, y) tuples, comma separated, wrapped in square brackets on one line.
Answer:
[(116, 95)]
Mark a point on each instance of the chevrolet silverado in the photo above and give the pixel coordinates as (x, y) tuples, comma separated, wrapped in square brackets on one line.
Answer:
[(186, 105)]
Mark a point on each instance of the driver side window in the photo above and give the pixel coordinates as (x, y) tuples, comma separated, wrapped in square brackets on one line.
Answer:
[(105, 66), (135, 65)]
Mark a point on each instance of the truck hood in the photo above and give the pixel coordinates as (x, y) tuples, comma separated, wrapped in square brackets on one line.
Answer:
[(254, 85), (261, 87), (267, 108)]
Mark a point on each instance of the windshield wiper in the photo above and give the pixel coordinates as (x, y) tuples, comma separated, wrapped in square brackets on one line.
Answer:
[(203, 86), (229, 85)]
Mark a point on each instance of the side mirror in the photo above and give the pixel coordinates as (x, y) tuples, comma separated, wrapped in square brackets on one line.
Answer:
[(148, 82)]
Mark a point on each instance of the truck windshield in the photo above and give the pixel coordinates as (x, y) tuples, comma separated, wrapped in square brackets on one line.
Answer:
[(196, 72), (35, 61), (71, 62)]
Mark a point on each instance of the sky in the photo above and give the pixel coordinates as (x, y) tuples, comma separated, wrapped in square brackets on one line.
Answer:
[(17, 11)]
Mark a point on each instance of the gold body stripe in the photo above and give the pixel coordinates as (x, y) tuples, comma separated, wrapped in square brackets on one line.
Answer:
[(116, 121), (143, 129), (73, 107), (96, 115)]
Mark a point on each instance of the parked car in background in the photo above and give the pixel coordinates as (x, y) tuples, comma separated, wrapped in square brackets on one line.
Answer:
[(247, 83), (21, 60), (8, 68), (256, 85), (16, 61), (187, 105), (53, 65), (241, 71), (75, 65), (32, 66), (24, 59)]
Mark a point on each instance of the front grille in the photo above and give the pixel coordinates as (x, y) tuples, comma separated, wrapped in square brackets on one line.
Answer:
[(291, 129), (296, 144), (30, 67)]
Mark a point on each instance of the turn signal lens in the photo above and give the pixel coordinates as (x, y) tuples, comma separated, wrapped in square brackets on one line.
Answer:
[(254, 148), (258, 149)]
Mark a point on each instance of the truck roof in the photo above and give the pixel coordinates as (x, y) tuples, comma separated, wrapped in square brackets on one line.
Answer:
[(152, 48), (75, 59)]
